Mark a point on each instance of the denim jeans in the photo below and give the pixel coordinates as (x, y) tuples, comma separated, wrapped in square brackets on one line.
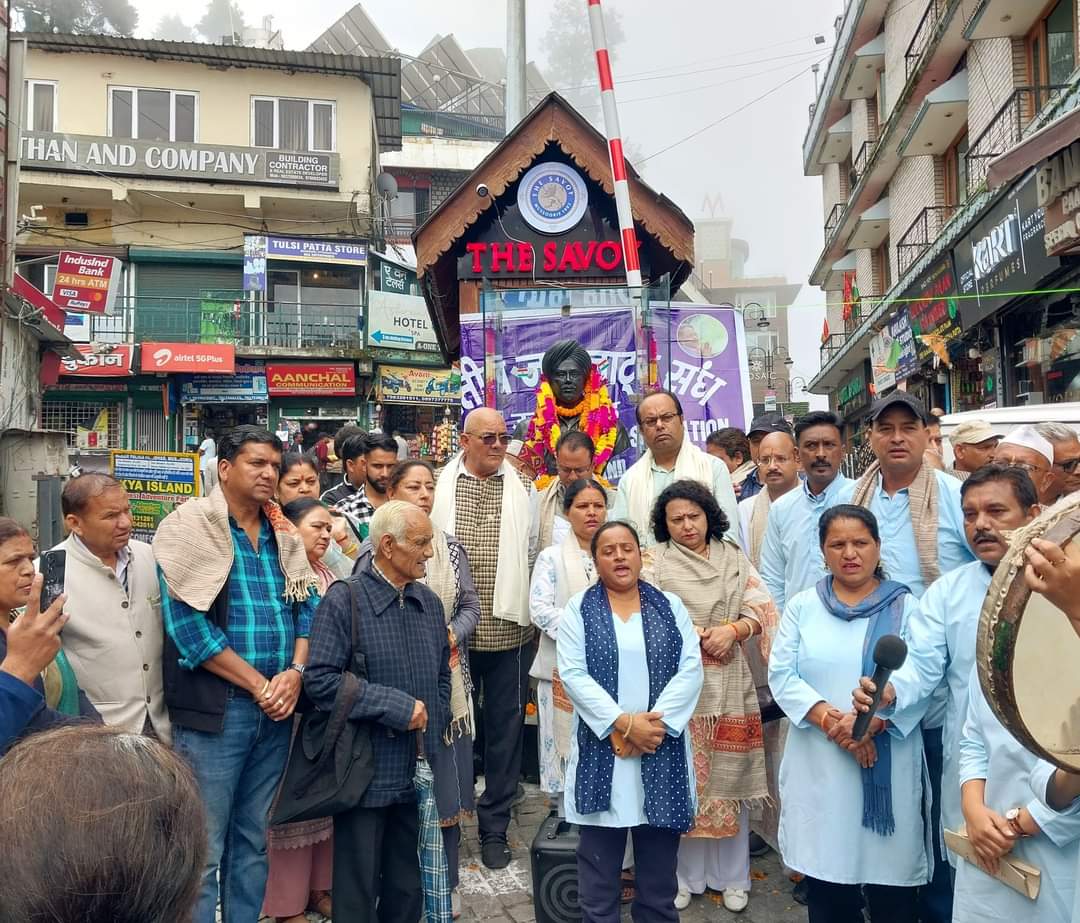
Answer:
[(238, 772)]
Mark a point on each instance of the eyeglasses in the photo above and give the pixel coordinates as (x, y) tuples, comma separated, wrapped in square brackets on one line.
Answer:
[(490, 439), (574, 472), (1024, 466), (665, 418), (1069, 467)]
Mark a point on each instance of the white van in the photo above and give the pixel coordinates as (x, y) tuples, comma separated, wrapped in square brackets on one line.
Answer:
[(1004, 419)]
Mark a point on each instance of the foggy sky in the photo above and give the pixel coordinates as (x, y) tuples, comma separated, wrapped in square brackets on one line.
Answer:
[(751, 163)]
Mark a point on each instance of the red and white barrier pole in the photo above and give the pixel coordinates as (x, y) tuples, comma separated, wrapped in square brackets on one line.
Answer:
[(622, 195)]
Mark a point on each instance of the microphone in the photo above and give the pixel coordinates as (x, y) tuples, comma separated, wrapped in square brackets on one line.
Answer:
[(889, 654)]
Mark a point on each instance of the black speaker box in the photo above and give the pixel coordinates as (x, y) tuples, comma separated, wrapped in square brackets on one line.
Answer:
[(554, 872)]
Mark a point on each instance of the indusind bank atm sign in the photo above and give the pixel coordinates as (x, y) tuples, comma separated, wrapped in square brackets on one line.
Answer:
[(311, 379)]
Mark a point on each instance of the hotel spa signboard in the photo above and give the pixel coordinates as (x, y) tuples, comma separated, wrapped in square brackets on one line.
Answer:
[(219, 163)]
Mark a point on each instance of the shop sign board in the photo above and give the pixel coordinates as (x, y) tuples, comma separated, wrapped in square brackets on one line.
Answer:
[(247, 385), (254, 263), (1003, 255), (188, 357), (701, 356), (1057, 186), (396, 279), (86, 282), (853, 394), (218, 163), (400, 322), (547, 260), (53, 315), (156, 482), (892, 354), (310, 379), (933, 310), (398, 384), (301, 249), (106, 362)]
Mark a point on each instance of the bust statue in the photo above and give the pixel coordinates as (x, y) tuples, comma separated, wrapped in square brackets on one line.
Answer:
[(571, 396)]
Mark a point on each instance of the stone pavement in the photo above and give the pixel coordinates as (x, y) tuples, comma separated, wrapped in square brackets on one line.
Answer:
[(505, 896)]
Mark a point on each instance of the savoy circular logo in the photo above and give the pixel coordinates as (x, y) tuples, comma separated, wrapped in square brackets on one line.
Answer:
[(552, 198)]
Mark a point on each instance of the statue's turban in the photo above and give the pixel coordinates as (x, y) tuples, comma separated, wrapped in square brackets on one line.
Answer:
[(559, 352)]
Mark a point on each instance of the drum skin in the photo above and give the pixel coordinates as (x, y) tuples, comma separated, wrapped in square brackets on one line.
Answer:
[(1028, 654)]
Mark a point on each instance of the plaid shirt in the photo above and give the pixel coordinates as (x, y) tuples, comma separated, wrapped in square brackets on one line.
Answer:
[(261, 625), (353, 502), (402, 636)]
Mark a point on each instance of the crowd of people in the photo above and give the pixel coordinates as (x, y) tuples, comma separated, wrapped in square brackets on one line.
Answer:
[(700, 640)]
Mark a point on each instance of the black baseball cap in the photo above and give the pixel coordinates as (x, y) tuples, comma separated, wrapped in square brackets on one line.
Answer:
[(765, 423), (899, 399)]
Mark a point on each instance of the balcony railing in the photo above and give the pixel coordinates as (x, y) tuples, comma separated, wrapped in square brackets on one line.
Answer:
[(437, 123), (923, 232), (1006, 129), (831, 346), (924, 35), (854, 319), (833, 221), (231, 318), (861, 162)]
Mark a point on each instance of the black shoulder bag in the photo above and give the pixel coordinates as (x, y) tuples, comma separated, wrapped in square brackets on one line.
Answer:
[(331, 761)]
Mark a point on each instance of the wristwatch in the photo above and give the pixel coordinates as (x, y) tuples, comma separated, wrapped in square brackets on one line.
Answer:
[(298, 667), (1013, 818)]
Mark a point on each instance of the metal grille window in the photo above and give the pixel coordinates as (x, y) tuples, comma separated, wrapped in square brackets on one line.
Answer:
[(71, 416)]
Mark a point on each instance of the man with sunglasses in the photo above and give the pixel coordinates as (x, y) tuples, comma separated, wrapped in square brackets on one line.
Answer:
[(1024, 447), (492, 510), (1066, 470)]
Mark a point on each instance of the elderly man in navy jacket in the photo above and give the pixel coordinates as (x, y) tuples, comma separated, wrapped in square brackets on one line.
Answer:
[(402, 636)]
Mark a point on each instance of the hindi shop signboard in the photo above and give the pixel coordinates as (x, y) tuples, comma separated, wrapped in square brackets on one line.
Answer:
[(86, 282), (1004, 255), (311, 379), (701, 358), (113, 361), (892, 354), (218, 163), (932, 308), (156, 482)]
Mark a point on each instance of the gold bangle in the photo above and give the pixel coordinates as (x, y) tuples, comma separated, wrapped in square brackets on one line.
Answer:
[(629, 726), (262, 691), (824, 715)]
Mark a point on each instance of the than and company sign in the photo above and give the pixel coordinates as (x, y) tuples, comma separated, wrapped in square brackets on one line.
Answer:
[(220, 163)]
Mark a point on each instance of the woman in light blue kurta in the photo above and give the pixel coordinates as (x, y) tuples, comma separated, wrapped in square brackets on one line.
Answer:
[(630, 662), (843, 825), (997, 774)]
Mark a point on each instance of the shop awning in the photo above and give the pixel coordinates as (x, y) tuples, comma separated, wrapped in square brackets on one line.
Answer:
[(1047, 141), (866, 63), (1001, 18), (871, 228), (837, 146), (939, 119), (834, 281)]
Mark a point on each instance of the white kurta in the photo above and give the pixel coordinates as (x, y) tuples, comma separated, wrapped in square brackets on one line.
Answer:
[(988, 751), (818, 657), (599, 711)]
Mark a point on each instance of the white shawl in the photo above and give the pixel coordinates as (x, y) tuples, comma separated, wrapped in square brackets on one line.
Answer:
[(690, 463), (511, 598)]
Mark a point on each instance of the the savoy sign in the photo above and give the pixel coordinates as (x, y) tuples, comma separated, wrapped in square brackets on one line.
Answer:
[(218, 163)]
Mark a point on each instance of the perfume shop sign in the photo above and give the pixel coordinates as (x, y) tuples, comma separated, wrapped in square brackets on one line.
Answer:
[(213, 162)]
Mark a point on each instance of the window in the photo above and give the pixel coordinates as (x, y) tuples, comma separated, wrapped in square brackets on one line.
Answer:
[(152, 115), (1051, 50), (293, 124), (956, 172), (766, 341), (883, 268), (409, 208), (40, 105)]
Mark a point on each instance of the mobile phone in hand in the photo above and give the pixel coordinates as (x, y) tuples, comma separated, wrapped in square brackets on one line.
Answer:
[(53, 567)]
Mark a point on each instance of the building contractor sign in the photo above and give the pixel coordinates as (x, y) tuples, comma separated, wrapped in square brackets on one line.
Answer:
[(220, 163)]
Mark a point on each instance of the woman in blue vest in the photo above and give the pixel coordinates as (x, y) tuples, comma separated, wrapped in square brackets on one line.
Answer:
[(630, 662)]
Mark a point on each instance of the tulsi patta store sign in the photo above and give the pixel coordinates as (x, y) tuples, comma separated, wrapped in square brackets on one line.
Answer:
[(43, 150)]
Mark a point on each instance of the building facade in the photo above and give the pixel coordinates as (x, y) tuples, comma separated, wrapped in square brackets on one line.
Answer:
[(939, 272), (231, 191)]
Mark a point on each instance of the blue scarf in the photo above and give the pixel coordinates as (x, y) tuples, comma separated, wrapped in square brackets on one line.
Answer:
[(664, 773), (885, 608)]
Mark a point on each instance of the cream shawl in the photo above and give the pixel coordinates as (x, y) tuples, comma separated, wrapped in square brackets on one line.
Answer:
[(442, 580), (194, 549), (690, 463), (923, 503), (511, 598), (759, 520), (571, 577), (551, 498)]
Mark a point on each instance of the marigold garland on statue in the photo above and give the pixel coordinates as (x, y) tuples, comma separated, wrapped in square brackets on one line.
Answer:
[(596, 417)]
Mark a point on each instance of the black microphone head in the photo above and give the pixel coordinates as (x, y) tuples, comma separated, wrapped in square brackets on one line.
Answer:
[(890, 652)]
